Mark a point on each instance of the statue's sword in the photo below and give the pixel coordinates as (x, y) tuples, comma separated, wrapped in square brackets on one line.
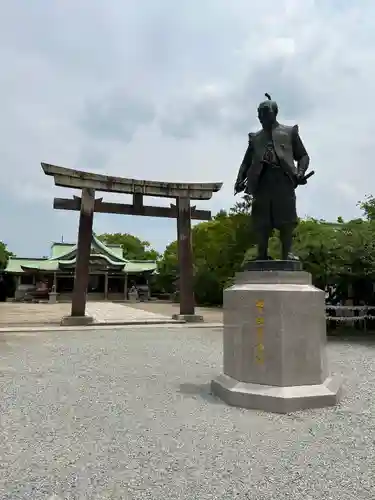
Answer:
[(306, 177), (310, 174)]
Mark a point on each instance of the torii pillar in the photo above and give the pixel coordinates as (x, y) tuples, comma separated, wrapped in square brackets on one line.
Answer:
[(81, 278)]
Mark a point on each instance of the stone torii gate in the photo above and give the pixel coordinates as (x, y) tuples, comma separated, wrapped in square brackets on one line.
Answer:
[(90, 182)]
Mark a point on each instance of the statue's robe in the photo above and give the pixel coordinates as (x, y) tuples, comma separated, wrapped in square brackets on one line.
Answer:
[(269, 170)]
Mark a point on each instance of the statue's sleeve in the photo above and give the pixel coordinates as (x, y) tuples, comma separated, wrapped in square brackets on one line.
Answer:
[(246, 162), (299, 150)]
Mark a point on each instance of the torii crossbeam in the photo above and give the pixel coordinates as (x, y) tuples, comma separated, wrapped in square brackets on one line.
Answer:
[(90, 182)]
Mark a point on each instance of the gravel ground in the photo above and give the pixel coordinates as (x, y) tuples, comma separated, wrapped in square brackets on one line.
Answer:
[(127, 414)]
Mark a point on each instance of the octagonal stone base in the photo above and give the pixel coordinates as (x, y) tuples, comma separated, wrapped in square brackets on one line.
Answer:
[(275, 343), (277, 399)]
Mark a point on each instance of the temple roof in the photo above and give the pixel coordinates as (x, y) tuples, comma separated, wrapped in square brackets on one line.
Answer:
[(63, 256)]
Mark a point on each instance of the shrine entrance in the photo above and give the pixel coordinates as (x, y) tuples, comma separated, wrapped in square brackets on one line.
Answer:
[(87, 204)]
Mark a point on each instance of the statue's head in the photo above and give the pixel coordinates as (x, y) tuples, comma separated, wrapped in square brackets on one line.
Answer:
[(267, 112)]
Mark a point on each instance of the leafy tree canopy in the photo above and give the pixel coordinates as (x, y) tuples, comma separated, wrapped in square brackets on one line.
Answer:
[(218, 249), (342, 253), (133, 247), (368, 207), (4, 255)]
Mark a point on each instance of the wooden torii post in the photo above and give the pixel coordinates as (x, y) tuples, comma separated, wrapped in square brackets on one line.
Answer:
[(86, 204)]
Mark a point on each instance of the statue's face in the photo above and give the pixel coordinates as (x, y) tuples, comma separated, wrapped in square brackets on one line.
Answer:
[(266, 115)]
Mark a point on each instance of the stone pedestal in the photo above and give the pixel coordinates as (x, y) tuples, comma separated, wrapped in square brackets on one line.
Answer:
[(275, 341), (77, 321)]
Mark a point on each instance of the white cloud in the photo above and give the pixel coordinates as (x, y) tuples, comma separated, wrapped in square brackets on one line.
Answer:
[(168, 90)]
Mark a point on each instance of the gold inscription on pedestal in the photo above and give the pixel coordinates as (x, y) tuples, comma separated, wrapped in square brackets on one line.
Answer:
[(259, 321)]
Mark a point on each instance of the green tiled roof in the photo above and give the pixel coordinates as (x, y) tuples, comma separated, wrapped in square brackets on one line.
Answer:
[(15, 265), (139, 266), (116, 250), (64, 254), (68, 251), (59, 249), (107, 249), (71, 262)]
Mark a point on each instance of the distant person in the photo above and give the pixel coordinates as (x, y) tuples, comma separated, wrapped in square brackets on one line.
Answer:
[(134, 291), (3, 290)]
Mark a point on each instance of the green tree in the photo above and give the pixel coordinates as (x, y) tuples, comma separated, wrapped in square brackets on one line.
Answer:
[(340, 253), (368, 207), (356, 248), (316, 244), (167, 269), (218, 249), (243, 206), (4, 255), (133, 247)]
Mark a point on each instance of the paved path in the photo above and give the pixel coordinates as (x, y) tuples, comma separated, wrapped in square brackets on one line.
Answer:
[(210, 314), (109, 312), (24, 314), (128, 414), (13, 314)]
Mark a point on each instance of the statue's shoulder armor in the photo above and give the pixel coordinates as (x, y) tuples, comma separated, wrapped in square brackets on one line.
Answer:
[(289, 129), (254, 135)]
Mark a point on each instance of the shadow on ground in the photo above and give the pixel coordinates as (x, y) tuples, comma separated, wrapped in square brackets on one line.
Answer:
[(199, 390), (352, 339)]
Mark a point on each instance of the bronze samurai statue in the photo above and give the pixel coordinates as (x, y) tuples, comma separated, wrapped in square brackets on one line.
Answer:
[(274, 165)]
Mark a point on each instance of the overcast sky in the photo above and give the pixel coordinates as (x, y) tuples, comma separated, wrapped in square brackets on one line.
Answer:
[(168, 90)]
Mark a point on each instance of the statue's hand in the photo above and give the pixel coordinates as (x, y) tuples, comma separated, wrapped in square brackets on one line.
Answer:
[(300, 180), (239, 187)]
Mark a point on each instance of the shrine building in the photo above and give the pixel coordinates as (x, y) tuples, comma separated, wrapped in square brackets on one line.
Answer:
[(110, 274)]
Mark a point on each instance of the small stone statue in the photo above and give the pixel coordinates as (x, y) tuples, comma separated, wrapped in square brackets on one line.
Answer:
[(268, 173)]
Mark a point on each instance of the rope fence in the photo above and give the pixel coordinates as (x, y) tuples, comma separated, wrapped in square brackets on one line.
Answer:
[(346, 314)]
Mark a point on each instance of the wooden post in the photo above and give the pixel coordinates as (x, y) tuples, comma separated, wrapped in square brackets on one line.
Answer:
[(138, 202), (148, 288), (185, 257), (126, 286), (105, 285), (81, 277), (54, 282)]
